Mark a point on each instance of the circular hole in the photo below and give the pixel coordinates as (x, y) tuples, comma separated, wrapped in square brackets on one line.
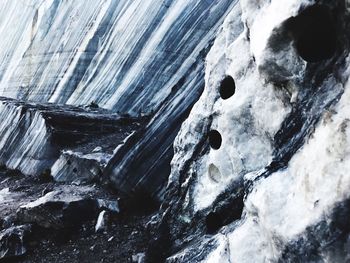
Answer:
[(214, 173), (75, 170), (227, 87), (314, 31), (215, 139), (213, 222)]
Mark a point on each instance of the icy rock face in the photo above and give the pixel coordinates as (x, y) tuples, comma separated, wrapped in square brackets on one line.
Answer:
[(60, 140), (261, 164), (137, 57), (60, 208), (12, 241), (66, 206), (23, 139)]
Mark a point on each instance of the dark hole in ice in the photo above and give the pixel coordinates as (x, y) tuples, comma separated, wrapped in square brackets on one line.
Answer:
[(215, 139), (315, 35), (227, 87), (75, 170), (213, 222), (69, 162)]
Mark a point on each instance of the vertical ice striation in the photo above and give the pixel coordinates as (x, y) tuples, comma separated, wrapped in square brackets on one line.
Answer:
[(259, 170), (135, 57), (24, 139), (124, 55)]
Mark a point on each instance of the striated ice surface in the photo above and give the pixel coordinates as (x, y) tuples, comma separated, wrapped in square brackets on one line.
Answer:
[(125, 55), (277, 187), (260, 168), (23, 139), (143, 58)]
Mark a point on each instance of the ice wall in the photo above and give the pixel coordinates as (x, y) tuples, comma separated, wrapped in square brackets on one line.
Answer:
[(260, 172), (123, 55), (136, 57)]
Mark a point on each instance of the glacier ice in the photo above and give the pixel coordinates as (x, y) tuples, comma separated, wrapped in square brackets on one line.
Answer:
[(284, 155), (142, 58), (255, 94)]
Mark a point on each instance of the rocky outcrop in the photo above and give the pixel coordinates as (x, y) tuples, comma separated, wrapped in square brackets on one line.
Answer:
[(65, 207), (13, 241), (58, 209), (33, 210), (61, 141), (260, 171), (100, 89)]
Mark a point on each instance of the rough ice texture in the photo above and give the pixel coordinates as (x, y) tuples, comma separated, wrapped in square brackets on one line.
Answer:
[(284, 156)]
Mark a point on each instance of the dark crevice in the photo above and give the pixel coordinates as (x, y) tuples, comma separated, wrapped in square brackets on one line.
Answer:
[(228, 207), (314, 32), (227, 212), (213, 222), (139, 203)]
